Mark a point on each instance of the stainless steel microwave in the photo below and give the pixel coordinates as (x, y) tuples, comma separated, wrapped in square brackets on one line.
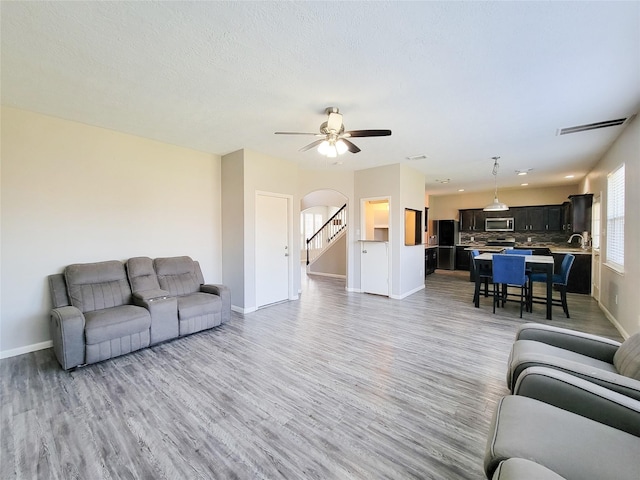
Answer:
[(498, 224)]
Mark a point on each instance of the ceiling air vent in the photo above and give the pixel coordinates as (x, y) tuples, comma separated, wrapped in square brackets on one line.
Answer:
[(591, 126)]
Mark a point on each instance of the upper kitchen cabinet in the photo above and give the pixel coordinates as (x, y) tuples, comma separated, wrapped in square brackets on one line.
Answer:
[(554, 218), (537, 218), (472, 220), (578, 213)]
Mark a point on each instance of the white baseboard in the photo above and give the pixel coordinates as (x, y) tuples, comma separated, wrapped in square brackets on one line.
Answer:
[(613, 320), (405, 295), (353, 290), (332, 275), (235, 308), (26, 349)]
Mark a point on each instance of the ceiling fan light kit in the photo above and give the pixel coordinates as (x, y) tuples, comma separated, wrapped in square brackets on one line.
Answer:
[(334, 141)]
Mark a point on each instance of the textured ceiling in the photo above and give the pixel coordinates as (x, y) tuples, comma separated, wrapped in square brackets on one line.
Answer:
[(457, 81)]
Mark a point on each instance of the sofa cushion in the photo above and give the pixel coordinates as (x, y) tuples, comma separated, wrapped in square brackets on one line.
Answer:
[(198, 304), (627, 358), (94, 286), (141, 274), (177, 275), (568, 444), (522, 469), (115, 322)]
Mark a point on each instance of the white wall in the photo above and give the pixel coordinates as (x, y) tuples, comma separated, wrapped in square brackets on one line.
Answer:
[(405, 188), (626, 312), (411, 257), (245, 173), (379, 182), (74, 193)]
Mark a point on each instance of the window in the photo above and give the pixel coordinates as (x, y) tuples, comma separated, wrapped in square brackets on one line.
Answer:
[(615, 220), (310, 224)]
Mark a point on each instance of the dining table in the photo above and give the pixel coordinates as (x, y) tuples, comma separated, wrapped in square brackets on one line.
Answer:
[(534, 263)]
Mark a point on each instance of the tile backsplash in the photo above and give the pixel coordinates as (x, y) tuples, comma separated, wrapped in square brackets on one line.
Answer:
[(537, 238)]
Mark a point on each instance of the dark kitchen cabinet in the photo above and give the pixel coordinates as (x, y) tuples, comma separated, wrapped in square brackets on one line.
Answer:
[(538, 218), (472, 220), (463, 259), (581, 212), (580, 274), (577, 213), (520, 218), (430, 260), (554, 218)]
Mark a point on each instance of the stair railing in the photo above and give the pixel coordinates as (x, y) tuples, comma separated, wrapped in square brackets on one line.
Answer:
[(325, 234)]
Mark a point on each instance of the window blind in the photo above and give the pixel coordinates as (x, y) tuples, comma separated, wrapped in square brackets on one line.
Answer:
[(615, 219)]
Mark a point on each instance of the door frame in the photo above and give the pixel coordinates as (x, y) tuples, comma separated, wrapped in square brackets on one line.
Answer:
[(290, 241), (363, 229), (596, 255)]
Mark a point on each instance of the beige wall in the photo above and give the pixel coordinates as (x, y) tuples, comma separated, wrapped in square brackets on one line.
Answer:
[(233, 225), (445, 207), (73, 193), (334, 261), (246, 173), (626, 312)]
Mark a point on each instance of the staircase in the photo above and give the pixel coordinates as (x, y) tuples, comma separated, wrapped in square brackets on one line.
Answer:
[(332, 230)]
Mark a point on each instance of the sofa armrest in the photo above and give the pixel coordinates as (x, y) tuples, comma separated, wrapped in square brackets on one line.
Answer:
[(581, 397), (163, 308), (594, 346), (67, 332), (607, 379), (225, 295)]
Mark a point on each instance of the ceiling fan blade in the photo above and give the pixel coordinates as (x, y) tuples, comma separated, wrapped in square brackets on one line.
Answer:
[(295, 133), (367, 133), (311, 145), (353, 148)]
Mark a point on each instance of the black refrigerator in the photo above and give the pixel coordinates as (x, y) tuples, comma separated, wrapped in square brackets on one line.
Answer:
[(447, 231)]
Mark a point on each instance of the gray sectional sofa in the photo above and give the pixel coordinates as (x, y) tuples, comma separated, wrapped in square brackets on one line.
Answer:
[(107, 309), (574, 412)]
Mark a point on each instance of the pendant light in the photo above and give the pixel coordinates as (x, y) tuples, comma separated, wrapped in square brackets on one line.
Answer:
[(496, 205)]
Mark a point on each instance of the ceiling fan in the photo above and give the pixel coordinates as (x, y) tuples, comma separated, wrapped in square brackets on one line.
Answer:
[(334, 139)]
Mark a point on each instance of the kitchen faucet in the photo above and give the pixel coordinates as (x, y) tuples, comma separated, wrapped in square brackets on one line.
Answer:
[(582, 242)]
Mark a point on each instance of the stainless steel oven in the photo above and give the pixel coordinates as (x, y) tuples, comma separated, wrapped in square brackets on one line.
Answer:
[(498, 224)]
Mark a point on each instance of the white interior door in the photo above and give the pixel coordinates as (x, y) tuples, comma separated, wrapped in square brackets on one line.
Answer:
[(272, 249), (375, 267)]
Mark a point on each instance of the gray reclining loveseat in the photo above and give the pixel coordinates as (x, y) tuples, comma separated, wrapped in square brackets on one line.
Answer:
[(561, 426), (600, 360), (104, 310)]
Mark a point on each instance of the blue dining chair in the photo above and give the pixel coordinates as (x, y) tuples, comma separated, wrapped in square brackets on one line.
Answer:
[(560, 280), (485, 275), (513, 251), (509, 271)]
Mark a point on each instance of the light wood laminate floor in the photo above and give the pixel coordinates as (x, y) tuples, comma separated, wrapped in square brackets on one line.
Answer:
[(336, 385)]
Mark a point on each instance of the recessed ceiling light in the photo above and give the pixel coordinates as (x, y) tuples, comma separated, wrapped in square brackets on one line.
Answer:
[(524, 184), (461, 189), (446, 180), (524, 171), (569, 176)]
